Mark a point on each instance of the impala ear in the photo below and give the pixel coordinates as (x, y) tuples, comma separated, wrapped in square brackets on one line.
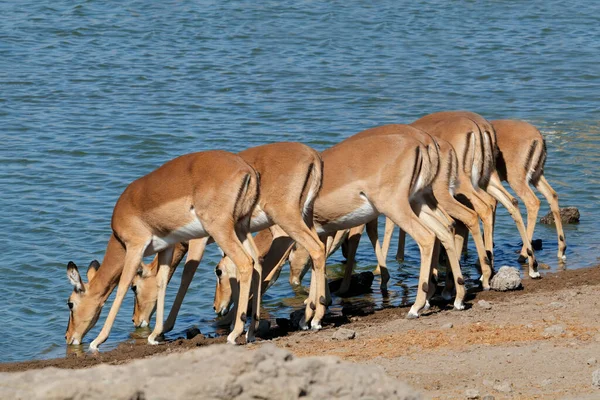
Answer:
[(92, 269), (74, 277)]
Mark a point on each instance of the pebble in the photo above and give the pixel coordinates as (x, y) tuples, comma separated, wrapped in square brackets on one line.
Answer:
[(592, 361), (487, 382), (449, 325), (596, 378), (504, 387), (557, 304), (507, 278), (486, 305), (472, 393), (344, 334), (192, 332), (554, 330), (488, 397), (547, 382)]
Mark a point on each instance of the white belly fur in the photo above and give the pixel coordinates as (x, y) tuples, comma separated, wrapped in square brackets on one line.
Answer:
[(260, 220), (360, 215), (193, 230)]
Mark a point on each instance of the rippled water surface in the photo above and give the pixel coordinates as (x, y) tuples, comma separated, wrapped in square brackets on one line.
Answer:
[(96, 94)]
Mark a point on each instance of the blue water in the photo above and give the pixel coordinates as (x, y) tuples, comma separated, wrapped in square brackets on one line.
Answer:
[(96, 94)]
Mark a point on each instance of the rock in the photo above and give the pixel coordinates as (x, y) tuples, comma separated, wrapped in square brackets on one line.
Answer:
[(547, 382), (503, 387), (489, 383), (192, 332), (568, 215), (295, 318), (212, 372), (592, 361), (554, 330), (537, 244), (507, 278), (472, 393), (344, 334), (264, 326), (359, 284), (556, 304), (596, 378), (486, 305), (488, 397), (449, 325)]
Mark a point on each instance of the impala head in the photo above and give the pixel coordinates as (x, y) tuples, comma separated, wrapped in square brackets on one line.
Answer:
[(226, 285), (145, 295), (84, 308)]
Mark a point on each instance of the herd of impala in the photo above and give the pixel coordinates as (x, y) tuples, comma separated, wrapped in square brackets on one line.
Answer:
[(435, 178)]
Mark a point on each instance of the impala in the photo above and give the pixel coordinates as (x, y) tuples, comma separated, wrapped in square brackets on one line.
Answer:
[(290, 179), (520, 162), (197, 195), (366, 177)]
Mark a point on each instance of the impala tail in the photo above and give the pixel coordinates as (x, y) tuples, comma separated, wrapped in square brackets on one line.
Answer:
[(247, 196), (312, 186), (423, 171), (535, 161), (452, 171)]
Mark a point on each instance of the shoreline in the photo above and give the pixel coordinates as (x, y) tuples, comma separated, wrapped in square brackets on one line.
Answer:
[(445, 352)]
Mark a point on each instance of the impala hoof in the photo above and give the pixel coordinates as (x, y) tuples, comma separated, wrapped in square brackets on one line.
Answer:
[(459, 306), (250, 338), (231, 339), (446, 295), (535, 275), (94, 346), (427, 305), (302, 324), (315, 325)]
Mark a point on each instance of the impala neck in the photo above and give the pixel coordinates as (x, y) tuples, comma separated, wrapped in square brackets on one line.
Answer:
[(109, 272)]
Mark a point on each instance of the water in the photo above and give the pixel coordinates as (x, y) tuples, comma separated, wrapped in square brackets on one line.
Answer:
[(96, 94)]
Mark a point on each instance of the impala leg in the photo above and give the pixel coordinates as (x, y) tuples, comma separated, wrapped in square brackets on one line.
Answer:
[(387, 239), (381, 259), (403, 216), (445, 233), (496, 189), (435, 256), (353, 240), (228, 241), (401, 245), (256, 286), (532, 205), (544, 187), (485, 212), (195, 253), (162, 277), (133, 258)]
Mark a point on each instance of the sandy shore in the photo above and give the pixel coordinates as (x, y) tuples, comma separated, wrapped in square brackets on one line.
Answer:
[(539, 342)]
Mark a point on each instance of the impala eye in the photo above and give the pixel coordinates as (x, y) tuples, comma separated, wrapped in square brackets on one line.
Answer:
[(70, 305)]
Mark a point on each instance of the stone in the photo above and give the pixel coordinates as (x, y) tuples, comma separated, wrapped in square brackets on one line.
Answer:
[(554, 330), (192, 332), (592, 361), (264, 327), (596, 378), (503, 387), (359, 284), (568, 215), (557, 304), (472, 394), (486, 305), (507, 278), (488, 397), (212, 372), (547, 382), (449, 325), (537, 244), (344, 334)]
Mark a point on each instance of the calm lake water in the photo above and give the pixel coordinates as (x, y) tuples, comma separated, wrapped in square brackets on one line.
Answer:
[(96, 94)]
